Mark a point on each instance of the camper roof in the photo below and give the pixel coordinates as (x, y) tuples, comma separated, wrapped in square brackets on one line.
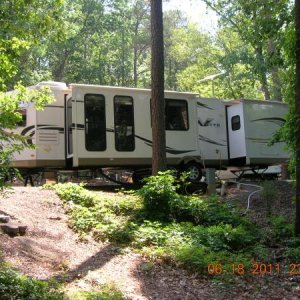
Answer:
[(128, 89)]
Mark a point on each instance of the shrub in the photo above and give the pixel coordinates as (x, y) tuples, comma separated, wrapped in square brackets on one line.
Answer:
[(157, 194), (206, 211), (161, 201), (14, 286), (281, 228), (82, 219), (75, 193), (292, 254), (225, 237)]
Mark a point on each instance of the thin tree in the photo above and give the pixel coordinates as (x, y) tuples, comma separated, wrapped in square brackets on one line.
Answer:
[(157, 88), (297, 104)]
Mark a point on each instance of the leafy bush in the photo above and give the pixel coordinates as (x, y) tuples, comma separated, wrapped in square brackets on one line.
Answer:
[(157, 194), (75, 193), (14, 286), (162, 202), (293, 254), (206, 211), (82, 219), (281, 228)]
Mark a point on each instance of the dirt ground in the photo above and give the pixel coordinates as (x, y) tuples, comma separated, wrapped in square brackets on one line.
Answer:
[(52, 250)]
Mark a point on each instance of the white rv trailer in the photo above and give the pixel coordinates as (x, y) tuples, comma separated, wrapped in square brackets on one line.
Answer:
[(91, 126)]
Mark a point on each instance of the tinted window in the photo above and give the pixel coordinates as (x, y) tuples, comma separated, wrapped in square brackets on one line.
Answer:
[(22, 122), (124, 123), (176, 115), (95, 125), (235, 123)]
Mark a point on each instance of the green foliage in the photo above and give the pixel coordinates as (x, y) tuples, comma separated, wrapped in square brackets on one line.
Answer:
[(196, 232), (292, 254), (205, 210), (10, 104), (14, 286), (104, 292), (75, 193), (22, 27), (157, 194), (260, 25), (268, 194), (282, 229)]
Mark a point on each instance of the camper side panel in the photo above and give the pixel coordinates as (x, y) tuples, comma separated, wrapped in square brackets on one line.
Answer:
[(27, 129), (45, 129), (112, 127), (50, 138), (262, 119), (212, 134)]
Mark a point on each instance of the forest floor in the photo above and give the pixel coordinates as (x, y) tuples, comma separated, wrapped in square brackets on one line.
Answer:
[(51, 250)]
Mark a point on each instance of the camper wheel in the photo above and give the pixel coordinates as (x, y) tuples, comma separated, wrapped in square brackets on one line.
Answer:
[(195, 171)]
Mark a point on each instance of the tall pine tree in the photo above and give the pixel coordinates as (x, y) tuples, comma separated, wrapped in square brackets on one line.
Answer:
[(297, 102), (157, 88)]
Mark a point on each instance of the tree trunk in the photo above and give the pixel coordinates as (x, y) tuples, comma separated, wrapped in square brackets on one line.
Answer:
[(277, 95), (262, 72), (157, 89), (276, 88), (297, 102), (135, 62)]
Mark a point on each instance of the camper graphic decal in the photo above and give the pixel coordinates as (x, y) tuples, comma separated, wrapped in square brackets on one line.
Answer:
[(277, 121), (207, 140), (27, 130), (168, 149), (262, 141), (208, 122), (204, 105)]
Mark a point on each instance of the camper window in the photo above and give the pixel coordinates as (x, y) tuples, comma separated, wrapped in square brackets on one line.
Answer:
[(124, 123), (95, 124), (176, 115), (235, 123), (22, 122)]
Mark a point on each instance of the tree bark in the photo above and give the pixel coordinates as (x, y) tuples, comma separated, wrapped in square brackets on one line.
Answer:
[(261, 68), (297, 104), (276, 88), (157, 89)]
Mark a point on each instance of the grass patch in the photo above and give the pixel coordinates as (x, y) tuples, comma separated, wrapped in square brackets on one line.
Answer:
[(104, 292)]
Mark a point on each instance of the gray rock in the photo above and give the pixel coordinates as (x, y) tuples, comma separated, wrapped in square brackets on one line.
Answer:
[(4, 219), (22, 229), (10, 229)]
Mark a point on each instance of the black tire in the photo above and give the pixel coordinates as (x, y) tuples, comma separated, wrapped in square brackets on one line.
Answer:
[(139, 175), (195, 171)]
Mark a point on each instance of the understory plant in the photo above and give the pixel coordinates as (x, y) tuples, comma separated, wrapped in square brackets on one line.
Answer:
[(188, 230), (161, 223), (15, 286)]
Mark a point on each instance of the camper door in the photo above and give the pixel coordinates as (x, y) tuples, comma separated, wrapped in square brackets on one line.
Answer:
[(236, 131), (69, 128)]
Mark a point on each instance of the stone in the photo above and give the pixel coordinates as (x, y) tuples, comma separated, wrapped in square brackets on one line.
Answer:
[(4, 219), (57, 218), (22, 229), (10, 229)]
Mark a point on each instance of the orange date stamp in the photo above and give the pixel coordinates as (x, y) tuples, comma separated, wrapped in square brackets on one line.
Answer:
[(255, 269)]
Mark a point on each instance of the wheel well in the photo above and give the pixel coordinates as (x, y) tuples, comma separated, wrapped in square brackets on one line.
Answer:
[(188, 160)]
